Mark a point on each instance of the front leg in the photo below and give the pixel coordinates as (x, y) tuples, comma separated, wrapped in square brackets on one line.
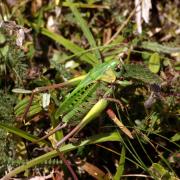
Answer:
[(57, 128)]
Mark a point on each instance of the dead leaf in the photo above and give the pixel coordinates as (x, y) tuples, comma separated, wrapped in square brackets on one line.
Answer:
[(91, 169)]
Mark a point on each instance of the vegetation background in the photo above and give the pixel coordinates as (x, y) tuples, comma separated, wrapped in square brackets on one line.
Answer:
[(43, 42)]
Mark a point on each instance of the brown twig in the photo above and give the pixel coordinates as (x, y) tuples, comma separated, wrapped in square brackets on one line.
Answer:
[(121, 27), (68, 165)]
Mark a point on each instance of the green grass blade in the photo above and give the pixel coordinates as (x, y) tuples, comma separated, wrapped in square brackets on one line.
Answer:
[(113, 136), (21, 133), (86, 5), (84, 57), (84, 26), (120, 168), (136, 156)]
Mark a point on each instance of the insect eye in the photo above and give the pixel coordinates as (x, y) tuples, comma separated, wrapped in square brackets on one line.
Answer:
[(118, 68)]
